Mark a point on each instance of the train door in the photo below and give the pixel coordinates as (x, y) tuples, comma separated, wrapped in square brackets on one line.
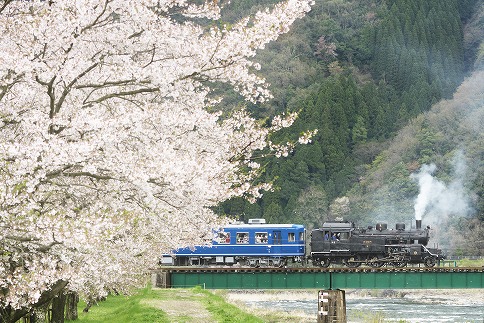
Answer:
[(339, 240), (326, 247), (276, 242)]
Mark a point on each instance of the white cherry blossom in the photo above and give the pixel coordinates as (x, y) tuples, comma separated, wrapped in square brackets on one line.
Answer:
[(108, 154)]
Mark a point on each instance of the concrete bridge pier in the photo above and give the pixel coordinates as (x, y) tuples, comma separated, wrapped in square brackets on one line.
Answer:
[(331, 306), (160, 279)]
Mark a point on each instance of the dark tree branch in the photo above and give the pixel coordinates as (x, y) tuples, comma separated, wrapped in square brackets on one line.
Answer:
[(122, 94), (50, 93), (41, 247), (98, 18), (87, 174), (69, 86), (108, 84), (45, 298), (5, 4), (64, 172)]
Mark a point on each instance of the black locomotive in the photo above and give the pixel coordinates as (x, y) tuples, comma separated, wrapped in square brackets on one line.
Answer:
[(343, 243)]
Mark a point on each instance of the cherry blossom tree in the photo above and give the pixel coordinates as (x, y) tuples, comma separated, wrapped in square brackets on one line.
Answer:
[(108, 154)]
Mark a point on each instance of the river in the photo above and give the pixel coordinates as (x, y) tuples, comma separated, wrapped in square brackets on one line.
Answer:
[(376, 306)]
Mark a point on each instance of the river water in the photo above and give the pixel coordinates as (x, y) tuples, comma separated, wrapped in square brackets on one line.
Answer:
[(414, 306), (389, 310), (412, 311)]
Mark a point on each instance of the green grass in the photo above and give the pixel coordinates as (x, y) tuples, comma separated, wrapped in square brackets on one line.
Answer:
[(367, 316), (165, 305), (470, 262), (123, 309), (224, 312)]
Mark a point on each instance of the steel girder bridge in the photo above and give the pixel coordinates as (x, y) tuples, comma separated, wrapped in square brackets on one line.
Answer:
[(320, 278)]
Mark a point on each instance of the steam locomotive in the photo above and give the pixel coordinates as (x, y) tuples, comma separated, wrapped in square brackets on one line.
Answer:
[(343, 243), (258, 244)]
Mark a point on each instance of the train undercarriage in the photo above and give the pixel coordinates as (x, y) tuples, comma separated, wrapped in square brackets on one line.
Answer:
[(242, 261), (395, 256)]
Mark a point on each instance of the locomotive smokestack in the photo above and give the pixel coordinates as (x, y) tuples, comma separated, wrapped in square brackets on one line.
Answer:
[(419, 224)]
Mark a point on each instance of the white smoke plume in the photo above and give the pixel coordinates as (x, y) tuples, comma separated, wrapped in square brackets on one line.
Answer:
[(437, 201)]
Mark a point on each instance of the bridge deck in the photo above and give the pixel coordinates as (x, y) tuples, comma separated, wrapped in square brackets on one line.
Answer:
[(325, 278)]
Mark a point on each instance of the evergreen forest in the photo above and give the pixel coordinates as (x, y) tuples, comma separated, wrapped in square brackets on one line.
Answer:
[(394, 88)]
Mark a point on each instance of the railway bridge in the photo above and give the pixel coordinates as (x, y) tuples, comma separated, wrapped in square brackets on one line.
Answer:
[(320, 278)]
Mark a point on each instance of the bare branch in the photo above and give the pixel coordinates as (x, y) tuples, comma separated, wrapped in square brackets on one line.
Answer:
[(122, 94), (107, 84), (5, 4), (98, 18), (50, 93), (88, 174), (68, 88), (21, 239), (63, 172)]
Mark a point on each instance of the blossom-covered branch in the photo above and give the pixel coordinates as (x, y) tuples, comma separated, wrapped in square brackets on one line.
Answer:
[(108, 154)]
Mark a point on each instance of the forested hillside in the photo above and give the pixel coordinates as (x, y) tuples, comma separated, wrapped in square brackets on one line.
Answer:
[(378, 79)]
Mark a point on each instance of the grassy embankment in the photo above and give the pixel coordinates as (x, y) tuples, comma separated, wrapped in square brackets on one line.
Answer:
[(165, 305)]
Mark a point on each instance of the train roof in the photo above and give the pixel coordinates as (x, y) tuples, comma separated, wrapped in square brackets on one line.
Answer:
[(264, 226), (338, 225)]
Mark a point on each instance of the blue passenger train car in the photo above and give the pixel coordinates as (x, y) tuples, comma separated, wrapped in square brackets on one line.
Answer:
[(254, 244)]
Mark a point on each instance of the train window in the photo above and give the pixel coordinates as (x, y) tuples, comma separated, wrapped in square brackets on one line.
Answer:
[(301, 236), (242, 237), (343, 235), (261, 237), (224, 237), (291, 237)]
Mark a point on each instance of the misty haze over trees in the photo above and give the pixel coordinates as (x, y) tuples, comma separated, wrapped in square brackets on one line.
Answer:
[(381, 81)]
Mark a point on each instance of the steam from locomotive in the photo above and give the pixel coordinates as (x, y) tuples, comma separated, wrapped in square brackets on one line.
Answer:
[(438, 202)]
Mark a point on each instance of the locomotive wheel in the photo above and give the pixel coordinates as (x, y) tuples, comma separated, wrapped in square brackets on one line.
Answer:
[(282, 263), (373, 262), (399, 264), (324, 262), (352, 262), (429, 261)]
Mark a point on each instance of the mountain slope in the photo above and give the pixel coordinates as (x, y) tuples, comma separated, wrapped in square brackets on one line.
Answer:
[(446, 146)]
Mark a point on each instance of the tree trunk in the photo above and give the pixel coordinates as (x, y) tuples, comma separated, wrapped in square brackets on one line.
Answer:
[(9, 315), (39, 314), (58, 306), (88, 304), (71, 306)]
